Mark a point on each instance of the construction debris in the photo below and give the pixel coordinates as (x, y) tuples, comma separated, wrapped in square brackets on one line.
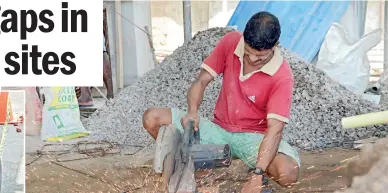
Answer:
[(369, 172), (369, 155), (375, 181), (319, 102)]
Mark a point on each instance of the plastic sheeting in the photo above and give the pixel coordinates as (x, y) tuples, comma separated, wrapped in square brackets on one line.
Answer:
[(344, 59), (354, 19), (304, 24)]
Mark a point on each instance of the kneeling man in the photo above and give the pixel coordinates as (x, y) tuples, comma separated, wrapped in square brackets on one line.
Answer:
[(253, 105)]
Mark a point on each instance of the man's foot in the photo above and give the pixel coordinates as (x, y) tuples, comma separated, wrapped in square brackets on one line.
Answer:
[(85, 104), (167, 136), (84, 96)]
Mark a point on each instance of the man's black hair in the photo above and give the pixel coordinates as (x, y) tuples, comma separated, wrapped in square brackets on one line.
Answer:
[(262, 31)]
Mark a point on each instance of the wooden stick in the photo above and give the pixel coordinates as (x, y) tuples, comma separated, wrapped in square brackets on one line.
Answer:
[(151, 44)]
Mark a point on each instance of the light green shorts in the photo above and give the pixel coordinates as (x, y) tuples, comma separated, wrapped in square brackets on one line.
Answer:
[(245, 146)]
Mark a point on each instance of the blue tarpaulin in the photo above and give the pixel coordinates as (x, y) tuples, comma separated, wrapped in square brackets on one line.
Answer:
[(304, 24)]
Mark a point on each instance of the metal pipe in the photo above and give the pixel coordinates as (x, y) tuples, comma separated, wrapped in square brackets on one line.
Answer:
[(385, 35), (187, 19)]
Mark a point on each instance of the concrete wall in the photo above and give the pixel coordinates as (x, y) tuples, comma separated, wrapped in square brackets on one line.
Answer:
[(374, 16), (129, 43), (167, 20), (131, 54), (129, 46), (220, 12), (142, 17)]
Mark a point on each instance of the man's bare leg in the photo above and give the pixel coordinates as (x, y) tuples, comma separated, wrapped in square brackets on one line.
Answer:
[(154, 118), (107, 76), (284, 170), (85, 99)]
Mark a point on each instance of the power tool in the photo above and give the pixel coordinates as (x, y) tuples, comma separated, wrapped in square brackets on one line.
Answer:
[(178, 156)]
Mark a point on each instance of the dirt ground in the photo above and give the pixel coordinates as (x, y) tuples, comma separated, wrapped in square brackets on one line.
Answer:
[(320, 172)]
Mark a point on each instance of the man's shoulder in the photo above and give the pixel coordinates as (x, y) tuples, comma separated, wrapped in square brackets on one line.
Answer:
[(285, 72), (230, 41), (233, 37)]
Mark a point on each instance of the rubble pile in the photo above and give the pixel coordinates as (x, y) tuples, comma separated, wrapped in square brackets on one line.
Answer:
[(319, 102), (369, 172)]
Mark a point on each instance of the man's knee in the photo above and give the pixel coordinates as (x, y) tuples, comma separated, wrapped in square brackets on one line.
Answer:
[(288, 174), (156, 117), (149, 118)]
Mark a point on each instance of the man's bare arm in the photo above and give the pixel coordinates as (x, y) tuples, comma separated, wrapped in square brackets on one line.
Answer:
[(270, 144), (197, 89)]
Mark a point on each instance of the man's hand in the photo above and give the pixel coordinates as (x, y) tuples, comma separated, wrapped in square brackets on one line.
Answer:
[(254, 184), (191, 116)]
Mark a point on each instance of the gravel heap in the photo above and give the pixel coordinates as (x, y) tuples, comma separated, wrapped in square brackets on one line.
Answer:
[(383, 87), (319, 102)]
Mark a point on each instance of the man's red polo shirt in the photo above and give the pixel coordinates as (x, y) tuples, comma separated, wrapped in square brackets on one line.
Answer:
[(246, 102)]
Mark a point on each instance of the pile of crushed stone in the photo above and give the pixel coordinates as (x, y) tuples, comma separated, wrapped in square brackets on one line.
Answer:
[(383, 87), (319, 102)]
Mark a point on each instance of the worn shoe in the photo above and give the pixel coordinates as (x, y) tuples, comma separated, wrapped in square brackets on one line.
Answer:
[(168, 137)]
